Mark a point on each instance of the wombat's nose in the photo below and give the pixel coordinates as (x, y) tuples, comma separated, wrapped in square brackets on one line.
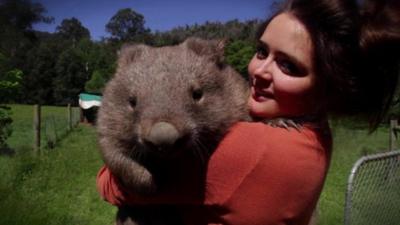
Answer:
[(163, 134)]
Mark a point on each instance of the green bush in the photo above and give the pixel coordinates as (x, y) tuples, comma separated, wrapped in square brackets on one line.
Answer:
[(5, 125), (238, 54)]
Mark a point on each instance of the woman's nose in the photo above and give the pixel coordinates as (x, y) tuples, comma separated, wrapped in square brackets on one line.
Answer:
[(263, 69)]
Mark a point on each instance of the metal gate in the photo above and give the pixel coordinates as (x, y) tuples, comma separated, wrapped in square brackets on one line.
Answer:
[(373, 191)]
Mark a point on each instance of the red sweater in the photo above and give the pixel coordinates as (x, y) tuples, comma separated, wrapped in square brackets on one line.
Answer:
[(258, 175)]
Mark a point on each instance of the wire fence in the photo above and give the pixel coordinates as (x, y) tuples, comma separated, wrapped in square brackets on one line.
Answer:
[(373, 193), (39, 127), (56, 126)]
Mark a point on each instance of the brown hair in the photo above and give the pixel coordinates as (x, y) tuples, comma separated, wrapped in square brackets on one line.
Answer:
[(356, 51)]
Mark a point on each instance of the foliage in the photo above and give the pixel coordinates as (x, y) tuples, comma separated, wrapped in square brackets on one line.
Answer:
[(96, 83), (21, 14), (58, 66), (9, 84), (5, 126), (40, 66), (238, 54), (16, 39), (56, 73), (71, 76), (9, 80), (4, 64), (232, 30), (126, 24), (100, 63), (16, 20), (72, 29)]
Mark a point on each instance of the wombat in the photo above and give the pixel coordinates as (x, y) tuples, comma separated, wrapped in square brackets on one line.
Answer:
[(163, 105)]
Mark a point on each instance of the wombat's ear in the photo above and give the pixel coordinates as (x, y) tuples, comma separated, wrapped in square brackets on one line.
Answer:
[(128, 53), (214, 49)]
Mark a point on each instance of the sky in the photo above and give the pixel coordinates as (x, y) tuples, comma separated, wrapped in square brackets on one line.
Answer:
[(160, 15)]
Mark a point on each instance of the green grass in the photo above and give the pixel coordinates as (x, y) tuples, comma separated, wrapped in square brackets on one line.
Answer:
[(349, 145), (58, 188), (22, 115)]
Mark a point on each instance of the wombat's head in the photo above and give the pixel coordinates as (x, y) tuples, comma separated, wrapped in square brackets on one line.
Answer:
[(169, 99)]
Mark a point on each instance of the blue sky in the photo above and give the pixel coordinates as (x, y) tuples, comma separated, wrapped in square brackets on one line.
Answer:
[(159, 15)]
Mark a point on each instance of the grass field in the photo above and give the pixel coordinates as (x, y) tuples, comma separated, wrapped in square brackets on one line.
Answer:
[(58, 188), (52, 117), (349, 145)]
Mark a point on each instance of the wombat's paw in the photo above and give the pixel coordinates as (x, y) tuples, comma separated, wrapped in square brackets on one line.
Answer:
[(283, 123), (143, 184)]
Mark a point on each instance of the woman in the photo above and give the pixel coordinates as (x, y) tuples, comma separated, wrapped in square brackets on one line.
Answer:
[(314, 57)]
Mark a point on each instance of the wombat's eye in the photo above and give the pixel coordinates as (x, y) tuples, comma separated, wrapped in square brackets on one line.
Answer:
[(197, 94), (132, 101)]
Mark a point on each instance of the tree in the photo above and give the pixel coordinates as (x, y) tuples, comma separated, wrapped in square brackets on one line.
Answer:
[(5, 125), (126, 25), (9, 83), (17, 37), (71, 77), (73, 30), (96, 83), (100, 64), (10, 80), (238, 54), (22, 14), (98, 56), (40, 67), (16, 20), (4, 64)]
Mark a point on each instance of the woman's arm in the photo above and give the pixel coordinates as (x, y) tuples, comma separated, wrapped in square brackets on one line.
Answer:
[(114, 192), (258, 174)]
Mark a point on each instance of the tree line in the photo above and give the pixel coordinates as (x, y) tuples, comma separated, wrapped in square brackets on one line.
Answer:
[(53, 68)]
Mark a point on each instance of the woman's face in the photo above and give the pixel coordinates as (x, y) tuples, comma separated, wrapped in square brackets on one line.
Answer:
[(281, 72)]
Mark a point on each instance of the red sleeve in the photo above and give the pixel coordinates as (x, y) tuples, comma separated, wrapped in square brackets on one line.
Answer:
[(257, 175), (264, 175), (109, 188), (112, 191)]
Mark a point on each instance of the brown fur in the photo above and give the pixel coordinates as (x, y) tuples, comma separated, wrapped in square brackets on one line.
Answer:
[(166, 99)]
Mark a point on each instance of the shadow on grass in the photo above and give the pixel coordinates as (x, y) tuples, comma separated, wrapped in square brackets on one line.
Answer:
[(6, 151)]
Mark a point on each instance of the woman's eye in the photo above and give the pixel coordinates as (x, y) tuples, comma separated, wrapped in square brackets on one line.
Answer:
[(262, 52), (289, 68)]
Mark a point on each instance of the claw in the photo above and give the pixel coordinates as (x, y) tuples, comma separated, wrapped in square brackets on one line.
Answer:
[(294, 125), (283, 123)]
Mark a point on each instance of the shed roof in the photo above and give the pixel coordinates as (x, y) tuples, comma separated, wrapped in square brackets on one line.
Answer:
[(87, 100)]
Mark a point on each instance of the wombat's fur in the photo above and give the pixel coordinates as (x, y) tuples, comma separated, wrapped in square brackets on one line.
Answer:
[(164, 104)]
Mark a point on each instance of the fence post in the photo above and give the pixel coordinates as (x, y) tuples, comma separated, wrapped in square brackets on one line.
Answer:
[(69, 117), (36, 128), (81, 116), (393, 134)]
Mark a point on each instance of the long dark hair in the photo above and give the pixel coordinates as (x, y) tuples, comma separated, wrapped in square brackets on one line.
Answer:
[(356, 52)]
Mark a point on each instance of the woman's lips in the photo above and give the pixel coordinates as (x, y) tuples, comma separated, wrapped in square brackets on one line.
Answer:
[(261, 95)]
